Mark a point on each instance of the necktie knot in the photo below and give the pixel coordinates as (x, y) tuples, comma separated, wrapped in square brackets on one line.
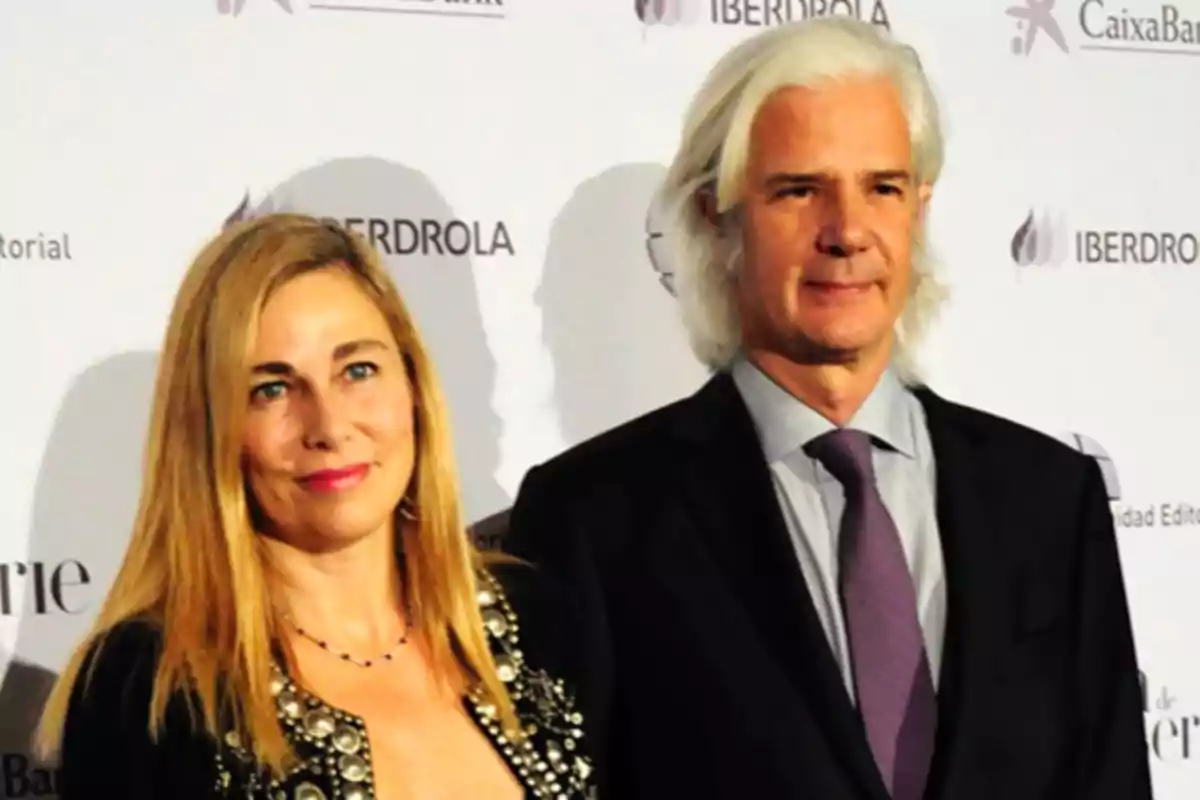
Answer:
[(846, 454)]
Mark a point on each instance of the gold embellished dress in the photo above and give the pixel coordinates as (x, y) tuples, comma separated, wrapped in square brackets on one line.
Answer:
[(106, 751)]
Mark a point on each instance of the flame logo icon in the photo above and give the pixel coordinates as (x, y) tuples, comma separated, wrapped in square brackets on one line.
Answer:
[(1039, 242), (233, 8), (667, 12), (1091, 448), (246, 210), (239, 213)]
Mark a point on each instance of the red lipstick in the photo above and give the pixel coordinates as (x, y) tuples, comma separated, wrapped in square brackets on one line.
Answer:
[(335, 480)]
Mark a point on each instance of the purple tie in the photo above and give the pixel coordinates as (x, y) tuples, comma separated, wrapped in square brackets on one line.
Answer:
[(892, 678)]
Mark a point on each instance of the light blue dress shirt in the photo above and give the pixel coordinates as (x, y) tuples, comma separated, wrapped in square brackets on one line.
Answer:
[(812, 500)]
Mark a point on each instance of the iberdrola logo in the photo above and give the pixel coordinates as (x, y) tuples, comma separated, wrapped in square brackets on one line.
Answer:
[(1041, 240), (246, 210)]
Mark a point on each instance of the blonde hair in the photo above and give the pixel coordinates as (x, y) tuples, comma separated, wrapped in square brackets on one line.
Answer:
[(714, 150), (193, 565)]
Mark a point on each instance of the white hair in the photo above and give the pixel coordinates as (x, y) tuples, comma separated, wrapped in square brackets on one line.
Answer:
[(713, 154)]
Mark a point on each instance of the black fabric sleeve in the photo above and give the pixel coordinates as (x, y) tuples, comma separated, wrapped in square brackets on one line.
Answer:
[(107, 750)]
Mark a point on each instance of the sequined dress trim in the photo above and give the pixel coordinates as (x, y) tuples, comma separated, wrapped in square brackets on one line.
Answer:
[(334, 753)]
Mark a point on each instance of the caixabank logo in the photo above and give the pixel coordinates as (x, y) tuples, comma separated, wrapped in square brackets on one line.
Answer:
[(1044, 239), (755, 13), (475, 9), (408, 236), (235, 7), (1127, 27)]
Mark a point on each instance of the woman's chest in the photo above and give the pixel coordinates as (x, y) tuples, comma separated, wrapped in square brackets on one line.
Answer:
[(434, 751), (383, 745)]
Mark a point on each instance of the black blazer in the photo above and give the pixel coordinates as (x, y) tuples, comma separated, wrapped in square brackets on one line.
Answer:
[(711, 676), (107, 751)]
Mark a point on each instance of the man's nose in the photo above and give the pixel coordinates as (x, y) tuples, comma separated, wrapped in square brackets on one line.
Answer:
[(844, 227)]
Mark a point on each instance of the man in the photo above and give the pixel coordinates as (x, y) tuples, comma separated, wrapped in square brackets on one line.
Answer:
[(816, 578)]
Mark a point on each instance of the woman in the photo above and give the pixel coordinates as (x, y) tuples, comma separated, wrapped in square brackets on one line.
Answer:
[(300, 613)]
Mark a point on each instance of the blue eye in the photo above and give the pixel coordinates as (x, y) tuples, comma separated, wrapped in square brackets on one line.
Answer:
[(268, 391), (360, 370)]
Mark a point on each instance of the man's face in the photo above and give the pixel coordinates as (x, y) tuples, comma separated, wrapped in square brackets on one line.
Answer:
[(829, 206)]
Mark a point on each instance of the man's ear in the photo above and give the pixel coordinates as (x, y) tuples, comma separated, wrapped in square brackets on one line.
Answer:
[(706, 204), (924, 193)]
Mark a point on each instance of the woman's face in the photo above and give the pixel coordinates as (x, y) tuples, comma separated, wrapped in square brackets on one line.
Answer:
[(329, 441)]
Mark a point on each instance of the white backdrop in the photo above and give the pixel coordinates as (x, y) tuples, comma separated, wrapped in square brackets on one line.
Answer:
[(131, 130)]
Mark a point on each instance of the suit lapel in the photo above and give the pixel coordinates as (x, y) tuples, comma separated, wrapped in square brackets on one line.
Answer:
[(728, 485), (976, 594)]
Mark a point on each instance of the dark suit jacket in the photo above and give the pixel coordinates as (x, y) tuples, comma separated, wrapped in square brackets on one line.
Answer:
[(711, 676)]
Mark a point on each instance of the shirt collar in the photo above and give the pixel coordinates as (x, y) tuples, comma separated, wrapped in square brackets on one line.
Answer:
[(785, 423)]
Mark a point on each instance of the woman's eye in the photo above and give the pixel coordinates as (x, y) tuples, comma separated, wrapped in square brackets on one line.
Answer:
[(360, 370), (268, 391)]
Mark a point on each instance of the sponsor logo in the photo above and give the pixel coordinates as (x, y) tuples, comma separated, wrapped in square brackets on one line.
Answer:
[(481, 9), (244, 211), (670, 12), (1175, 514), (1104, 25), (42, 247), (1041, 240), (1044, 239), (756, 13), (234, 7), (1033, 18), (22, 777), (1090, 447), (1170, 727), (53, 588), (403, 236)]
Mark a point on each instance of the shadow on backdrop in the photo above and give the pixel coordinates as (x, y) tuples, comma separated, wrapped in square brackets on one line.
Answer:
[(84, 505), (24, 689), (401, 211), (608, 318)]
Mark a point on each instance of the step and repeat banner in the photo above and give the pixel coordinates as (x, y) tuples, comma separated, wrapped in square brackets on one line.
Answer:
[(501, 156)]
